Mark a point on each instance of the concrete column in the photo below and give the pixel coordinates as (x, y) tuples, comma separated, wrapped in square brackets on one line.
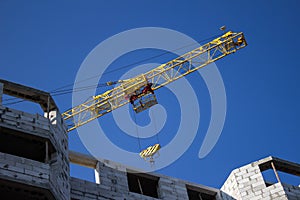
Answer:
[(169, 188), (54, 117), (97, 175), (114, 178)]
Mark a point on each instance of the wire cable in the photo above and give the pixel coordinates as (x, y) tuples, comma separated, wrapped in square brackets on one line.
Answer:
[(61, 91), (138, 62), (12, 103), (137, 132), (155, 127)]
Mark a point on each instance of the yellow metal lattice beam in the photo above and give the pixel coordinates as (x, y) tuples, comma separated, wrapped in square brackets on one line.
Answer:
[(160, 76)]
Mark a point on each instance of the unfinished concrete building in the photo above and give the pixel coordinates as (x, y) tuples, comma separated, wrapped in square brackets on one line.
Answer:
[(35, 164)]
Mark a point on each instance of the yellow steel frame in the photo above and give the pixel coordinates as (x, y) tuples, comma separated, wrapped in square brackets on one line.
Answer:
[(148, 153), (166, 73)]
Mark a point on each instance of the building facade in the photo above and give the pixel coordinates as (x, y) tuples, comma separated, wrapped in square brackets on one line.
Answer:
[(35, 164)]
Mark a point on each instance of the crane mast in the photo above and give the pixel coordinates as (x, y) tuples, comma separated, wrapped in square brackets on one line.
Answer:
[(139, 90)]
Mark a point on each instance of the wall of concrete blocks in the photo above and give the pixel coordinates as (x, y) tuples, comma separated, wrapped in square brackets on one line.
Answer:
[(292, 192), (85, 190), (172, 189), (247, 182), (24, 170), (56, 171), (230, 190), (60, 165), (113, 184), (244, 183), (113, 180)]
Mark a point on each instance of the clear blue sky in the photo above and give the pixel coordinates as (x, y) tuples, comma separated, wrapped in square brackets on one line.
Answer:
[(43, 43)]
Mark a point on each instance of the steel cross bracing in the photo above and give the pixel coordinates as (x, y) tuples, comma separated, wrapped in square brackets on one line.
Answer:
[(166, 73)]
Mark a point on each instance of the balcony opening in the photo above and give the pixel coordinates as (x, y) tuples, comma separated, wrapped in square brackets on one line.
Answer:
[(143, 184), (21, 105), (269, 177), (82, 172), (195, 193), (275, 171), (25, 145), (19, 191)]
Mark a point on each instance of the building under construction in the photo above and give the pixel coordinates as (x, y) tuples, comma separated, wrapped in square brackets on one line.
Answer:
[(35, 164)]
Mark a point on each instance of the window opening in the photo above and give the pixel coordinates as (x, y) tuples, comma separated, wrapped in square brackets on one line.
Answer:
[(143, 184)]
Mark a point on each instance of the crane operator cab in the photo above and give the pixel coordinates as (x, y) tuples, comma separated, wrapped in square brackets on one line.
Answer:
[(143, 98)]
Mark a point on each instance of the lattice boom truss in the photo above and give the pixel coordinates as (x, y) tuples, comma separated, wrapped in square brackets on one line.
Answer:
[(166, 73)]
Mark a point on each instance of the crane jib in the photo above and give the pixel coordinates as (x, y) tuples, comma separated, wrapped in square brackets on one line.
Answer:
[(131, 90)]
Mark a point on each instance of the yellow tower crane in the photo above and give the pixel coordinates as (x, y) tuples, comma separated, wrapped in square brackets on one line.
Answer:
[(139, 90)]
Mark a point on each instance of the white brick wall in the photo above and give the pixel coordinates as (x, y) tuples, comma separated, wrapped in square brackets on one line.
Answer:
[(55, 174), (114, 185), (24, 170), (247, 183)]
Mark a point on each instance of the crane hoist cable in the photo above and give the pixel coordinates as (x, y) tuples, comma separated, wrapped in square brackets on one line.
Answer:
[(138, 62), (155, 127), (61, 91), (137, 132), (151, 151)]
